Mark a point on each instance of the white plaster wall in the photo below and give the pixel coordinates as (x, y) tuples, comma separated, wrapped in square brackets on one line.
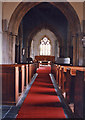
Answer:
[(8, 49), (5, 50), (8, 9), (78, 7), (36, 42), (8, 42)]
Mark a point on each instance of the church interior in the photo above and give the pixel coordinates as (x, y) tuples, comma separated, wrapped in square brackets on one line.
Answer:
[(42, 60)]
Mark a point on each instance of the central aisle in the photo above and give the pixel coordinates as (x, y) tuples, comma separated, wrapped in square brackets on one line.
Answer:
[(42, 100)]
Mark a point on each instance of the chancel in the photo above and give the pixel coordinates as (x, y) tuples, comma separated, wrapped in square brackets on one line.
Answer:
[(42, 60)]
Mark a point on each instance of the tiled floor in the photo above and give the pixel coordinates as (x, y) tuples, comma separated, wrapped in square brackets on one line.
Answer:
[(12, 111)]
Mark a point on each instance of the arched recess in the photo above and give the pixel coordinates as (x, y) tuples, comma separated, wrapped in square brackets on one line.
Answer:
[(36, 42), (52, 30), (66, 9)]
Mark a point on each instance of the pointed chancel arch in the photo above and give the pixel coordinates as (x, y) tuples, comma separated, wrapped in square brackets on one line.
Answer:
[(36, 40), (66, 9), (24, 7)]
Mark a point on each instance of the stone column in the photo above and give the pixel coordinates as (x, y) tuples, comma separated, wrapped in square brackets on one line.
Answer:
[(77, 50), (62, 51), (11, 51), (74, 50), (56, 50), (80, 50), (14, 42), (20, 42), (5, 49), (0, 58), (0, 32), (21, 38), (69, 40), (78, 38), (83, 42)]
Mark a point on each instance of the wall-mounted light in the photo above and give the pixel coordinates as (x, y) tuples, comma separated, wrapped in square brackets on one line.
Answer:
[(23, 51), (83, 41)]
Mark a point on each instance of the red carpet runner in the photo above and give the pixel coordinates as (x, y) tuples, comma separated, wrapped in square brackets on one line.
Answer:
[(42, 100)]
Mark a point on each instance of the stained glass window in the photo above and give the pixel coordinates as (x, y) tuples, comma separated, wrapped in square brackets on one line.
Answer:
[(45, 46)]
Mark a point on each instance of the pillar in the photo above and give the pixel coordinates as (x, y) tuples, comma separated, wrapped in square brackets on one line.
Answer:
[(80, 50), (74, 50), (14, 41), (0, 58), (83, 43), (61, 51), (0, 32)]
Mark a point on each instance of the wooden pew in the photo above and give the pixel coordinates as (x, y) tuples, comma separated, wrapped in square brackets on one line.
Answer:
[(53, 69), (14, 79), (59, 76), (73, 83), (22, 81), (63, 79), (70, 82), (69, 86), (21, 77), (64, 74), (25, 74), (79, 95), (10, 83), (32, 70), (56, 71)]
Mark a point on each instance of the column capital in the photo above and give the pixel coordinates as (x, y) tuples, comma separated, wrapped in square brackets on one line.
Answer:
[(77, 35), (14, 35)]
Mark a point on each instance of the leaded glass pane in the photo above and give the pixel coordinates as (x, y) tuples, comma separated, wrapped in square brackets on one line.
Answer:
[(45, 46)]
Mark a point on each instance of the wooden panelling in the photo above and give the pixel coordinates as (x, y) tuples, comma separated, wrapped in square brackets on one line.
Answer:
[(21, 77), (10, 84), (32, 70), (27, 75), (79, 95)]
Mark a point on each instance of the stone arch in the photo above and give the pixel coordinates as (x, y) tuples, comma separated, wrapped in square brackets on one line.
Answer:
[(68, 12), (45, 26), (30, 36), (39, 35), (24, 7)]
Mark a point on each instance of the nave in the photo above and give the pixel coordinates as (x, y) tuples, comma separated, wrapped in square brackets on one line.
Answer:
[(36, 34), (43, 100)]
